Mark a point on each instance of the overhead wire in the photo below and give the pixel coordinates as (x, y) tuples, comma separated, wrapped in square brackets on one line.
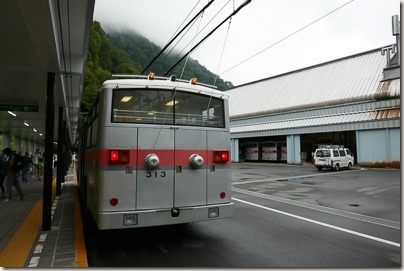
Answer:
[(178, 41), (168, 44), (246, 2), (188, 28), (202, 29), (173, 96), (221, 55), (286, 37), (196, 33), (189, 13)]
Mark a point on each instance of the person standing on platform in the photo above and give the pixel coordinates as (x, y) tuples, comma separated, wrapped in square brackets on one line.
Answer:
[(40, 168), (3, 173), (26, 165), (11, 176), (35, 156)]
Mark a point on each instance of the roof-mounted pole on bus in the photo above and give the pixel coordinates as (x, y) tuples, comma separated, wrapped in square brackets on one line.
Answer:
[(246, 2), (176, 36)]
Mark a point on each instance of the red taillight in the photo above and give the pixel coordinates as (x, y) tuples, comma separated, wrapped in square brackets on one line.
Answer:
[(222, 195), (225, 156), (119, 156), (113, 201), (113, 155), (125, 156), (220, 156)]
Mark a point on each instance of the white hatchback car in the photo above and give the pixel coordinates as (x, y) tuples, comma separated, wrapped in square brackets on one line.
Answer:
[(333, 157)]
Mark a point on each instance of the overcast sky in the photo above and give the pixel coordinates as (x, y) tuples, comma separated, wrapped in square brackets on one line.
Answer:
[(358, 26)]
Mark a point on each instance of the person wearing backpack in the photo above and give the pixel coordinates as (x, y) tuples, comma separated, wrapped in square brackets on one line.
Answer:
[(12, 180), (3, 173)]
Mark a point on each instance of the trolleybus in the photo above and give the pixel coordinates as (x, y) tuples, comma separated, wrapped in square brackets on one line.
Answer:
[(252, 152), (156, 151)]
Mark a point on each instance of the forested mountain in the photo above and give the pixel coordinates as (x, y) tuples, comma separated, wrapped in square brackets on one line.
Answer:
[(142, 51), (129, 53)]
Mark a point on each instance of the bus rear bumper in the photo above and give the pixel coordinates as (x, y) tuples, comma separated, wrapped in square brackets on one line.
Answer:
[(157, 217)]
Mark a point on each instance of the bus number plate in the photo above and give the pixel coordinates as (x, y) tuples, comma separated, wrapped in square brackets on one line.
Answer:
[(155, 174)]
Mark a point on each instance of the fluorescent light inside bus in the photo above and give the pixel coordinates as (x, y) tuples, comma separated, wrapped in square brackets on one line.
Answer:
[(171, 103), (126, 99)]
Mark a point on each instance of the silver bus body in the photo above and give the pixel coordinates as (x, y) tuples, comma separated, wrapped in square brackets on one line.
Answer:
[(170, 171)]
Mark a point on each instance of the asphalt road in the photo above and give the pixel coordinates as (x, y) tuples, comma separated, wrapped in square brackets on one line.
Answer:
[(284, 216)]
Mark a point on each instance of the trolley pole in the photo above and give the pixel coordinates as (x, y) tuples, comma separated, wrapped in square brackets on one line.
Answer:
[(47, 182)]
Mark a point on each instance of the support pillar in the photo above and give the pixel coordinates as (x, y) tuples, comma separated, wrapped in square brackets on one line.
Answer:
[(60, 154), (235, 150), (47, 182), (293, 149)]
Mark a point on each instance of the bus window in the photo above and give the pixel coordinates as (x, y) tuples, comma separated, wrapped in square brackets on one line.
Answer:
[(159, 107), (142, 106), (198, 110)]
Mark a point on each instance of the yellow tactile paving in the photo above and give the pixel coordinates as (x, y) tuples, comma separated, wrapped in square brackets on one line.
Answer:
[(17, 251), (81, 252)]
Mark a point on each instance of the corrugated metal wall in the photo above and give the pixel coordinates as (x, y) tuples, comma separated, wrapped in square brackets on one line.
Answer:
[(378, 146), (356, 78)]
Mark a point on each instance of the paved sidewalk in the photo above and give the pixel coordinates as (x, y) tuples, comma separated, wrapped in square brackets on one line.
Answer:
[(22, 241)]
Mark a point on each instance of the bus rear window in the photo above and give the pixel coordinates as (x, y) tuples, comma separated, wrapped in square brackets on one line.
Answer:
[(154, 106)]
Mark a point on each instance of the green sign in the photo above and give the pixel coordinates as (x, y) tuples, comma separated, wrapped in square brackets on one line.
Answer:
[(19, 108)]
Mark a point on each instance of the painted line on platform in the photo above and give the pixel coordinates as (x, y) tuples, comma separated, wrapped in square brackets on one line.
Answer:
[(321, 223)]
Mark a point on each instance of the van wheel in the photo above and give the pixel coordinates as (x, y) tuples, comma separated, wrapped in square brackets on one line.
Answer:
[(349, 166), (336, 167), (319, 168)]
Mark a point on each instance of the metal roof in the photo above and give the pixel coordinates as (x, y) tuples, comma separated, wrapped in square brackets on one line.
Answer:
[(352, 79)]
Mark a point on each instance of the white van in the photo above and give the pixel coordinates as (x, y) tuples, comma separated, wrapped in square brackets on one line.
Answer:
[(333, 157)]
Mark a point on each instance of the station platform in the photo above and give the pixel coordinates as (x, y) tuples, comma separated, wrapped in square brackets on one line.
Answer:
[(22, 241)]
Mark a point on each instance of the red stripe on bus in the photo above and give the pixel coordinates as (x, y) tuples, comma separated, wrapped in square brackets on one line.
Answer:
[(137, 157)]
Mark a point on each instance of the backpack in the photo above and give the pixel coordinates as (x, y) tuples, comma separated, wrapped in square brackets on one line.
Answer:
[(17, 162)]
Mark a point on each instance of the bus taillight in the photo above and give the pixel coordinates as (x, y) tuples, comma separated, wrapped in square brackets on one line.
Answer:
[(119, 156), (113, 201), (220, 156)]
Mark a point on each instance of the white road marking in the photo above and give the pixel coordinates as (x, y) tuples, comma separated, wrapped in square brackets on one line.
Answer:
[(321, 223), (351, 215), (292, 177)]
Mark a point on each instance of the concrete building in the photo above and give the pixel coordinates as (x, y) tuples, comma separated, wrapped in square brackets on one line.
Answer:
[(353, 101)]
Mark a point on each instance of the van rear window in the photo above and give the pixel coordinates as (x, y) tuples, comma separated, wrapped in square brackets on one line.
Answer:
[(323, 153)]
